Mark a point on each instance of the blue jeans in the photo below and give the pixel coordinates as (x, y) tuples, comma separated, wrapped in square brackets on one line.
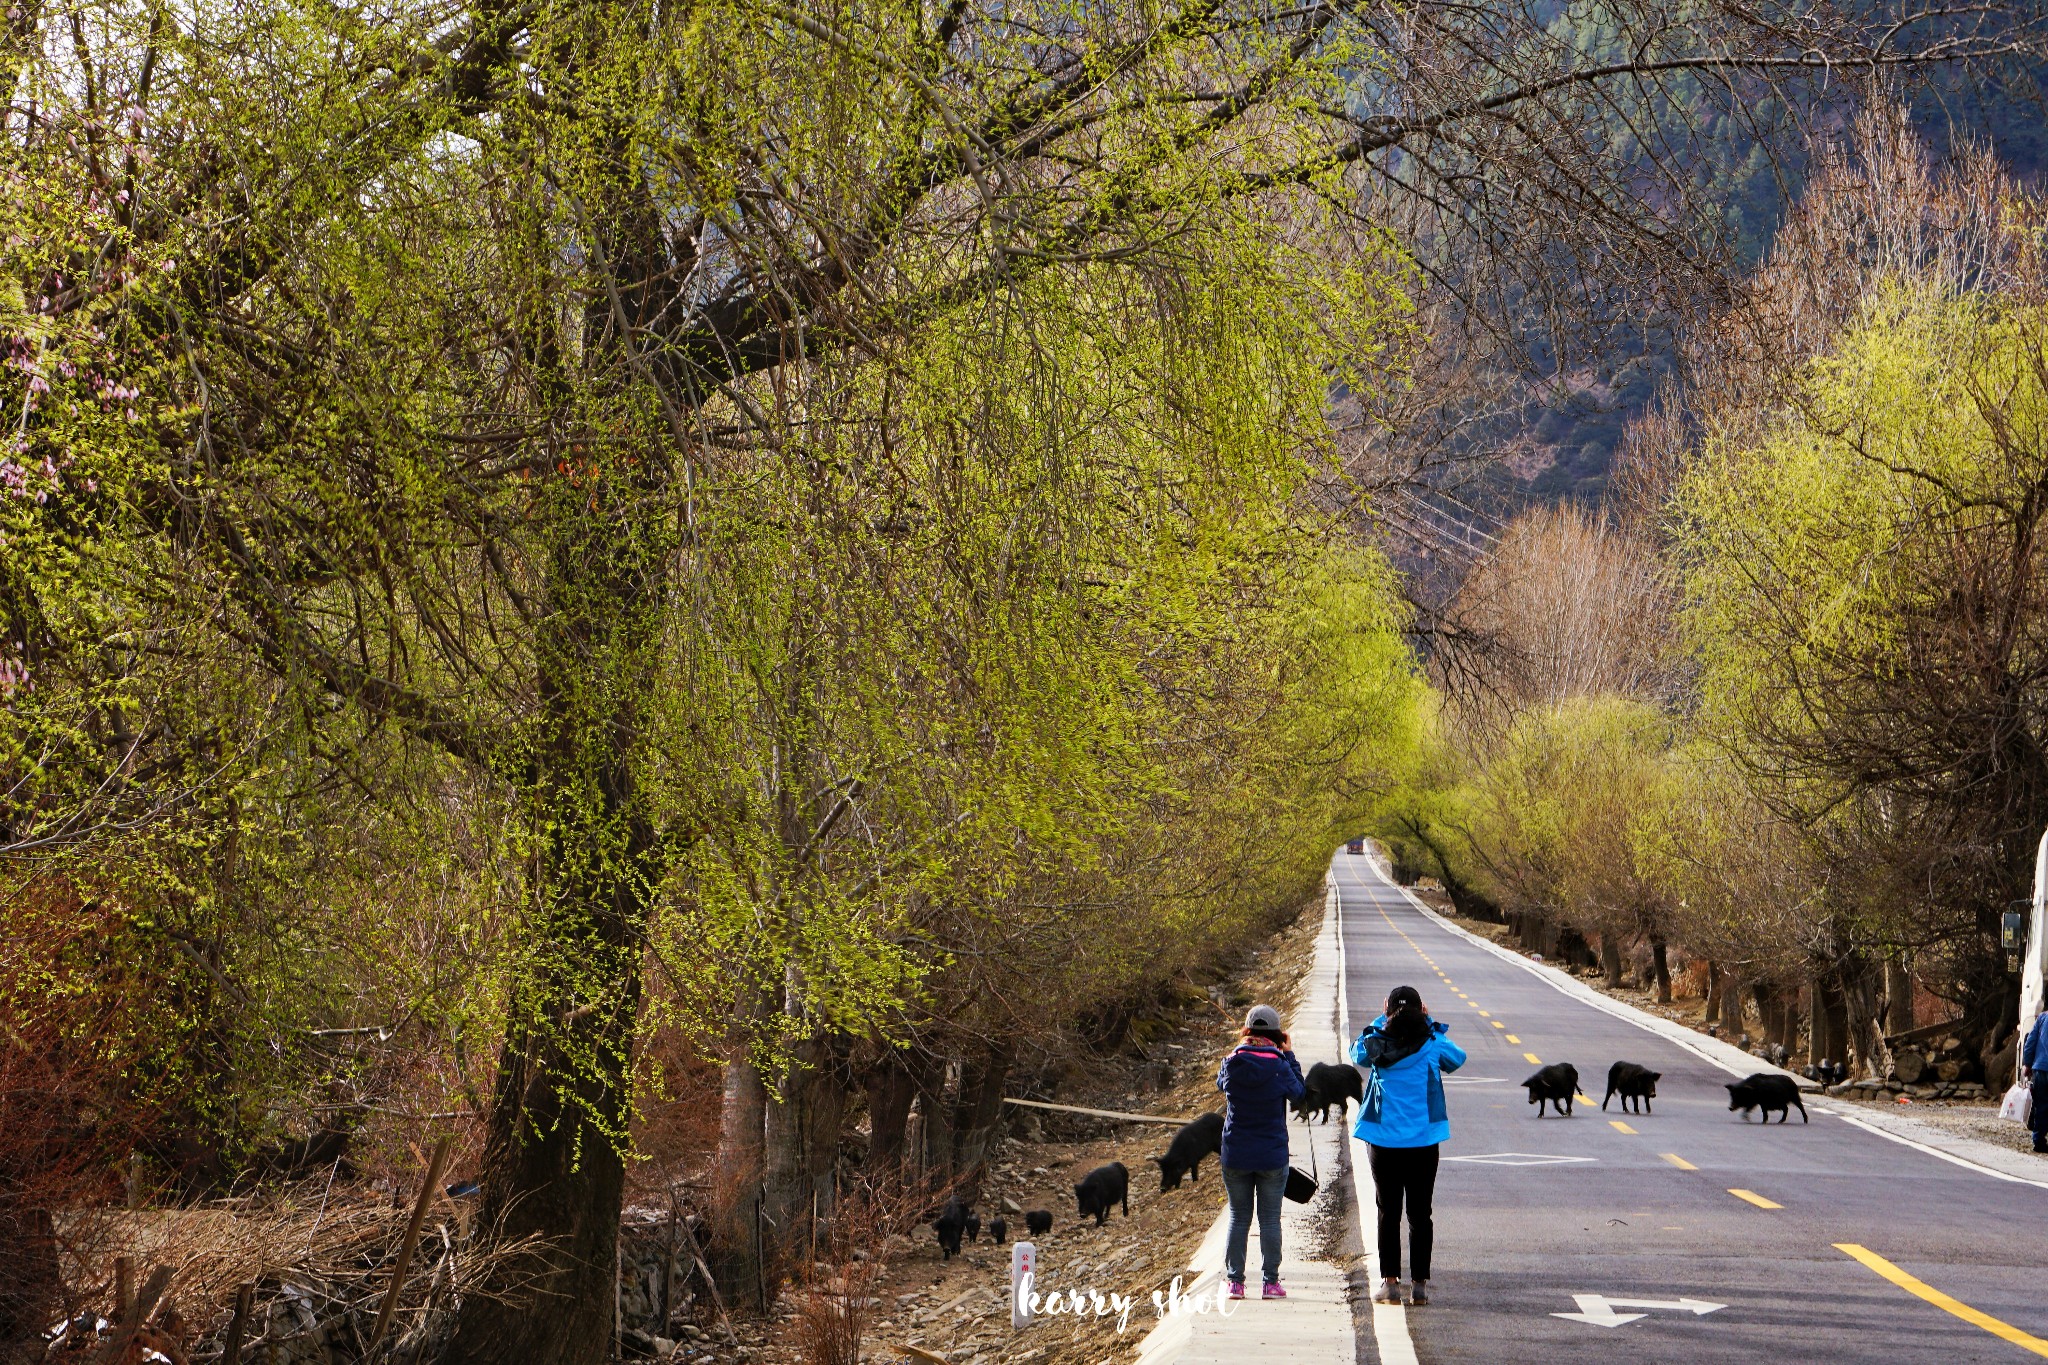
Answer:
[(1242, 1186)]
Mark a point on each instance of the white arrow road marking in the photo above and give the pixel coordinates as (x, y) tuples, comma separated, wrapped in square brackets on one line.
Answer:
[(1522, 1159), (1598, 1309), (1480, 1080)]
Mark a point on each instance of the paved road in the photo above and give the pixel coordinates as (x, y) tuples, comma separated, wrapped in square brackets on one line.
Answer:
[(1625, 1219)]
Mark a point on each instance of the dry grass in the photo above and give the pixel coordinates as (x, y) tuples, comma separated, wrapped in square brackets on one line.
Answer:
[(319, 1259), (958, 1310)]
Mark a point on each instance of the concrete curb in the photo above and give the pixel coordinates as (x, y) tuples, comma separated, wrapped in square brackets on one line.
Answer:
[(1314, 1323), (1982, 1157), (2021, 1168)]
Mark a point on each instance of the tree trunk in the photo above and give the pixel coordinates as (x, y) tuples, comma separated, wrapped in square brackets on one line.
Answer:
[(915, 1175), (741, 1119), (934, 1103), (978, 1117), (829, 1094), (1732, 1021), (1715, 985), (1863, 1027), (890, 1088), (1660, 964), (553, 1176), (1610, 960), (735, 1252), (1788, 1020), (1836, 1013), (1898, 994), (800, 1148), (1760, 993)]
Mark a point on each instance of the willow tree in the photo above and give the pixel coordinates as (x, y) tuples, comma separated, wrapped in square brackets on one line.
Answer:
[(459, 330), (1864, 590)]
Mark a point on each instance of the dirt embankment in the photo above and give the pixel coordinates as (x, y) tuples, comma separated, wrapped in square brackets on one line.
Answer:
[(921, 1307)]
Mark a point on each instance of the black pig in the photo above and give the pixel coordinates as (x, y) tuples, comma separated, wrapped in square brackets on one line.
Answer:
[(1631, 1082), (1183, 1156), (1102, 1189), (1766, 1092), (1326, 1085), (950, 1222), (1556, 1083)]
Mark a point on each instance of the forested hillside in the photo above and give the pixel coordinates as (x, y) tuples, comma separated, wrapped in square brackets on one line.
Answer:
[(1562, 428), (1774, 710)]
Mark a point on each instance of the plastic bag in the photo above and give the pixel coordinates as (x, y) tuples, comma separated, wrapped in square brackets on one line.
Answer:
[(2018, 1104)]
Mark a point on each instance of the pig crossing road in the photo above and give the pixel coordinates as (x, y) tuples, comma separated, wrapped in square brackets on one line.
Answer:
[(1949, 1263), (1598, 1309)]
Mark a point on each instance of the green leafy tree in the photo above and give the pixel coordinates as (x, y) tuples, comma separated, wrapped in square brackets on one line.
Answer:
[(673, 421)]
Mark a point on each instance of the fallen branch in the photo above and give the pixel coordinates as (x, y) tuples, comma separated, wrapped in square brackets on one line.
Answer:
[(428, 1188), (1098, 1113)]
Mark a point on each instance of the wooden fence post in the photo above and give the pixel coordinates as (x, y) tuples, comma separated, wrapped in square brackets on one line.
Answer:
[(435, 1168), (238, 1326), (135, 1313)]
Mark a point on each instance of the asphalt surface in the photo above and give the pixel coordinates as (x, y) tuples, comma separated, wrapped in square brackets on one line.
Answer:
[(1515, 1243)]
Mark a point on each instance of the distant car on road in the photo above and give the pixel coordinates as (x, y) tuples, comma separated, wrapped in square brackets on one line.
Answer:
[(1355, 846)]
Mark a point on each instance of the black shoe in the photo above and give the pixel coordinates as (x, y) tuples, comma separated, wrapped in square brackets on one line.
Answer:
[(2041, 1146)]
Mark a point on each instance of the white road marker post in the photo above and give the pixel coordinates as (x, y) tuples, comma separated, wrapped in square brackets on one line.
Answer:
[(1023, 1276)]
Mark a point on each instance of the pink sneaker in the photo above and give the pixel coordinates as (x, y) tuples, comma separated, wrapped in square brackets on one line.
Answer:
[(1237, 1289), (1272, 1290)]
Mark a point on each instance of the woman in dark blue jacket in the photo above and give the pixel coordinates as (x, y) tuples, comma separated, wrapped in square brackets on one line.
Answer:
[(1258, 1079)]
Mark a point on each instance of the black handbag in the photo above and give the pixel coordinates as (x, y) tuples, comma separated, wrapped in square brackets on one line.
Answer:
[(1301, 1186)]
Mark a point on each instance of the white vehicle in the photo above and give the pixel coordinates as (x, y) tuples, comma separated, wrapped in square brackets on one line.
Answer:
[(2034, 932)]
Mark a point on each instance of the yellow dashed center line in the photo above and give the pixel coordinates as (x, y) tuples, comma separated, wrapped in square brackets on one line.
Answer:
[(1513, 1039), (1534, 1060), (1680, 1162), (1496, 1023), (1922, 1289), (1483, 1014), (1618, 1126), (1751, 1197)]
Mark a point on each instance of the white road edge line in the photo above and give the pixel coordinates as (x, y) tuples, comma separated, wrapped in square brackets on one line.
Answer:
[(1389, 1320), (1687, 1039), (1867, 1126)]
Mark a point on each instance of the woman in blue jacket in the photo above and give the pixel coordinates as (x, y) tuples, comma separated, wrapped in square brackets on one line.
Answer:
[(1404, 1117), (1257, 1080)]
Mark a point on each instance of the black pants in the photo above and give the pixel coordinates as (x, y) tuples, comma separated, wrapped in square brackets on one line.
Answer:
[(1398, 1174), (2038, 1119)]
